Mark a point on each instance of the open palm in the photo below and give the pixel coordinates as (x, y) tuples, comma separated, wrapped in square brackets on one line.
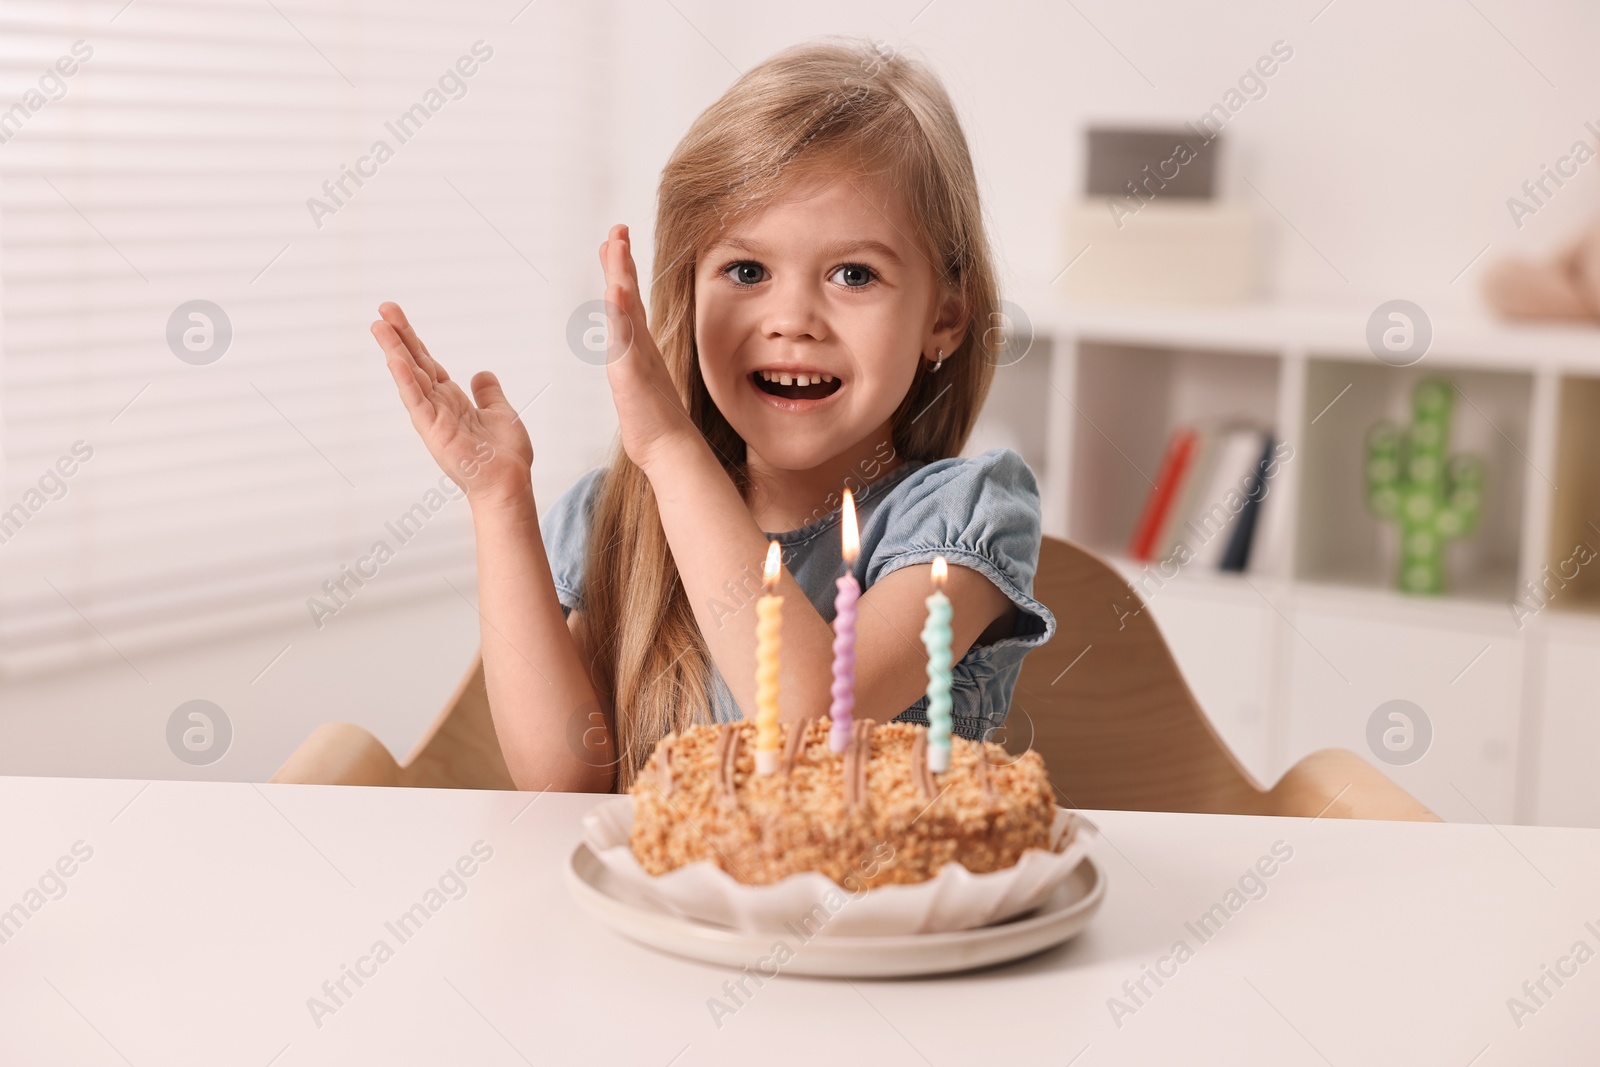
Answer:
[(482, 446), (649, 412)]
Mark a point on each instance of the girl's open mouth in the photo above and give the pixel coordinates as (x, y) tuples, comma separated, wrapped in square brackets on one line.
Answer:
[(788, 385)]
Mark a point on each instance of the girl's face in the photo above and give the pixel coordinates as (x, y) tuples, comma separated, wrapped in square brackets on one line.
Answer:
[(811, 317)]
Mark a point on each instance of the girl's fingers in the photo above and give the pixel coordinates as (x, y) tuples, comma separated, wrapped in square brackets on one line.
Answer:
[(486, 390), (622, 325), (412, 381), (391, 313), (397, 318), (625, 312), (608, 258), (627, 259), (626, 278), (614, 255)]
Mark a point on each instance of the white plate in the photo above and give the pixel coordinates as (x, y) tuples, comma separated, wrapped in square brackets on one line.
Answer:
[(1062, 915), (953, 899)]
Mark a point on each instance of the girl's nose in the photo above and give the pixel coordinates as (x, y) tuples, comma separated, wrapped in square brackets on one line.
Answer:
[(794, 309)]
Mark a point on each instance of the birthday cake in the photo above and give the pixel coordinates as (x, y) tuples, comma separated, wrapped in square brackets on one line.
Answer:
[(873, 814)]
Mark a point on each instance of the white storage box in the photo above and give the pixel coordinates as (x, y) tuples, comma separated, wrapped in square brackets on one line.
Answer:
[(1172, 251)]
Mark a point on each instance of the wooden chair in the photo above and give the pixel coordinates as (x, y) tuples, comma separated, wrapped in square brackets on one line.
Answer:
[(459, 751), (1119, 730)]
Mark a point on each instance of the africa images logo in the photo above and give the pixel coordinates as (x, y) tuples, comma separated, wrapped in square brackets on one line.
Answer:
[(199, 732)]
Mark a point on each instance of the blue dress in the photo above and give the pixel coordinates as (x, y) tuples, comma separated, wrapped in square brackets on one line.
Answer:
[(980, 512)]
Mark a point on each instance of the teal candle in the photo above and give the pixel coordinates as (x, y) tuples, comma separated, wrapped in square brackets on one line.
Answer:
[(936, 639)]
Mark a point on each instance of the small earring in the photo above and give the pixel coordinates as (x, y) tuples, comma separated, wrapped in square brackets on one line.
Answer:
[(938, 359)]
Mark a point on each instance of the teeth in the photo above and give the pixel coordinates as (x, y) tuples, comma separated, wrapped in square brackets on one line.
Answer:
[(785, 378)]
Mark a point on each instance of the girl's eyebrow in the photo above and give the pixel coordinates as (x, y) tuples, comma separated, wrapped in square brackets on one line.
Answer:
[(838, 248)]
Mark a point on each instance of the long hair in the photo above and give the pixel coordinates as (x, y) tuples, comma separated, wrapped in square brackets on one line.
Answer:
[(833, 106)]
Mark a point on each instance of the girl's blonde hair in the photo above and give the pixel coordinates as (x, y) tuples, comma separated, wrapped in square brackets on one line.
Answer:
[(836, 106)]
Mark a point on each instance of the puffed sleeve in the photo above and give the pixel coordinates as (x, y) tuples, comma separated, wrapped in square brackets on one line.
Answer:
[(981, 513), (565, 529)]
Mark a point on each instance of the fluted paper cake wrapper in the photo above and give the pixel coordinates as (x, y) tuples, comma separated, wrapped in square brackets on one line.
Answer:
[(809, 903)]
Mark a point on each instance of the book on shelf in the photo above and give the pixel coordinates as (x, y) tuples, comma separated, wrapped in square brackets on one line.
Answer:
[(1243, 538), (1209, 521), (1174, 466), (1187, 494), (1209, 493), (1269, 539)]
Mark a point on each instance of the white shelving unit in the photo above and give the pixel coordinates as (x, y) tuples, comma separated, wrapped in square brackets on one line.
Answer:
[(1297, 653)]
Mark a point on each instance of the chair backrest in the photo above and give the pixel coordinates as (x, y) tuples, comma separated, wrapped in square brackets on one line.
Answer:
[(460, 750), (1106, 706), (1103, 703)]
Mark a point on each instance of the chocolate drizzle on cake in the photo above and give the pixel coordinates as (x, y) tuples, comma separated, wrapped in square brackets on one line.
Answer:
[(863, 759), (791, 746), (664, 764), (727, 757), (989, 795), (920, 773), (856, 757)]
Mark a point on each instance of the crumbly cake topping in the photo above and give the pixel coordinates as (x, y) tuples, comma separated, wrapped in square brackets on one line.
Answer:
[(833, 812)]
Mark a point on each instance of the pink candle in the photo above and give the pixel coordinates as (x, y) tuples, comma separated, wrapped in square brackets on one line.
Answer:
[(844, 633)]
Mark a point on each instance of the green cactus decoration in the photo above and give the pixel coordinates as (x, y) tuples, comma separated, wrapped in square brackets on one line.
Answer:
[(1410, 481)]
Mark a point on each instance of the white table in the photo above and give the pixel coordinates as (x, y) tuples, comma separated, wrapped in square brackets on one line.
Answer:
[(208, 914)]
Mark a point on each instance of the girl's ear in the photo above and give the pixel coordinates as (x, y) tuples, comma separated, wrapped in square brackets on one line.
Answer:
[(950, 323)]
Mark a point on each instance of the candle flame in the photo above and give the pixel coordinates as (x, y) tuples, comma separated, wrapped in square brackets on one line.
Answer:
[(940, 570), (850, 532), (769, 574)]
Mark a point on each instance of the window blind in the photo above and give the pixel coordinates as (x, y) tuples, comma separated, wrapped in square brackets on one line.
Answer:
[(201, 205)]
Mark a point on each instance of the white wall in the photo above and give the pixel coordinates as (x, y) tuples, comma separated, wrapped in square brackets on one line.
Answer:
[(1390, 141)]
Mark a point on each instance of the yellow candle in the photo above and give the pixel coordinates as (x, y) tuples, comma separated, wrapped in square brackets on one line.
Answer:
[(768, 616)]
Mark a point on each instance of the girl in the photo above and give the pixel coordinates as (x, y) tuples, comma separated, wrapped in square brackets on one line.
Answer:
[(820, 286)]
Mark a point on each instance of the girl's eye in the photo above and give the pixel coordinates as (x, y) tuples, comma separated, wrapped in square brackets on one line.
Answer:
[(861, 271), (745, 273)]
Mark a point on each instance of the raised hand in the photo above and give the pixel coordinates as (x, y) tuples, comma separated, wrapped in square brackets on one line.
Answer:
[(483, 447), (648, 409)]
